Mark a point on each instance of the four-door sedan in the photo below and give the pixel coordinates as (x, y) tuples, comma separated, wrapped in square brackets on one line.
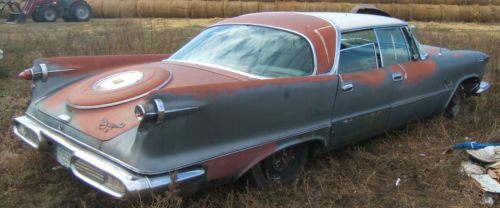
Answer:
[(251, 95)]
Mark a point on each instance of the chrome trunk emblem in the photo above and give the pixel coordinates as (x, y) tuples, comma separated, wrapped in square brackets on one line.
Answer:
[(107, 126)]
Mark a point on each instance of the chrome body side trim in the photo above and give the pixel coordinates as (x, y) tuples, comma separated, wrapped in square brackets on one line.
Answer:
[(45, 72), (133, 183)]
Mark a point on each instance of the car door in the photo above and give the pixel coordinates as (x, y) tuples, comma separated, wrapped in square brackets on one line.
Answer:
[(362, 104), (414, 91)]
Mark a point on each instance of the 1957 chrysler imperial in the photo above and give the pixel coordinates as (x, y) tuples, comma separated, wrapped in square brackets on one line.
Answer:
[(250, 95)]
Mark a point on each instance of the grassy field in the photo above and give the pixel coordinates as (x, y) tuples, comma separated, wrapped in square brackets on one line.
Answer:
[(358, 176)]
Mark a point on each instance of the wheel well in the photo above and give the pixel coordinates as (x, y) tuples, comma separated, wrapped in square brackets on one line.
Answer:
[(469, 85)]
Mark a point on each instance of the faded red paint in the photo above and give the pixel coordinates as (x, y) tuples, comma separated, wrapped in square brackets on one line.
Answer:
[(373, 77), (237, 163), (87, 121), (415, 71), (206, 85), (84, 95), (79, 64), (320, 32)]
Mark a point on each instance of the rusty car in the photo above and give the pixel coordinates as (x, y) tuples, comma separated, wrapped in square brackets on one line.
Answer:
[(251, 96)]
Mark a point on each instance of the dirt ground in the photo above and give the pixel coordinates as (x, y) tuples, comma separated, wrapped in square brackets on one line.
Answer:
[(362, 175)]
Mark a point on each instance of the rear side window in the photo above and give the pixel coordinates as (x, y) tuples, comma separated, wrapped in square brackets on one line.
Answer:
[(393, 46), (358, 52)]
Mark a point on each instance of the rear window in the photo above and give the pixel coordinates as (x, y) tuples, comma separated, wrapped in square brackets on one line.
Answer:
[(254, 50)]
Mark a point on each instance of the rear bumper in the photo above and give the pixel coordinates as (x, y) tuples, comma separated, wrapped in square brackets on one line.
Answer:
[(96, 170)]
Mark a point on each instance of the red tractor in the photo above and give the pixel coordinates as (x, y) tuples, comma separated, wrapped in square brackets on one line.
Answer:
[(48, 10)]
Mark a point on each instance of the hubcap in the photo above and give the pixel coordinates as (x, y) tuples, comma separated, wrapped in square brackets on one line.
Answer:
[(49, 15), (82, 13), (282, 160)]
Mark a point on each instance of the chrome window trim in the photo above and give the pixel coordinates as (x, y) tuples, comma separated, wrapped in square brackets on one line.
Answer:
[(406, 43), (421, 51), (359, 46), (313, 49), (221, 67), (375, 27), (379, 49), (382, 28)]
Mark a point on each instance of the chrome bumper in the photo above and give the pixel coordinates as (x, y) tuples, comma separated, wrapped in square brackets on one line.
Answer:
[(98, 171), (483, 86)]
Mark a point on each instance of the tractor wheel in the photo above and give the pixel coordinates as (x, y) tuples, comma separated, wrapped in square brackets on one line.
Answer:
[(48, 14), (80, 12), (283, 166), (36, 15)]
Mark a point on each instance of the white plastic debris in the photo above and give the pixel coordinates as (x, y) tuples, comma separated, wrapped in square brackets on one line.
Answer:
[(487, 183), (398, 181), (470, 168), (488, 200), (489, 154)]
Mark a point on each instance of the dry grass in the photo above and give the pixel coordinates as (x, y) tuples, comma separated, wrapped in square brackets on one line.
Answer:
[(359, 176)]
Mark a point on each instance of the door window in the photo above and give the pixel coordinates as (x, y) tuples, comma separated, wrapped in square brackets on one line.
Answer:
[(358, 52), (393, 46)]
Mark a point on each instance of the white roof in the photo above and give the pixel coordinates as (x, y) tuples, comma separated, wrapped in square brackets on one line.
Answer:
[(352, 21)]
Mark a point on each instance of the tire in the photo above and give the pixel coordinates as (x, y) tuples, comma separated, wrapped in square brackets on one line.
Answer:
[(48, 14), (283, 166), (454, 107), (80, 12), (35, 16)]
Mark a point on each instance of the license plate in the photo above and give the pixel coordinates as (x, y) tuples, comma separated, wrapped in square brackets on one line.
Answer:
[(63, 156)]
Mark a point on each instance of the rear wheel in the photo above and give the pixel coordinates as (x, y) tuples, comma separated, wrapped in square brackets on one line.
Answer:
[(455, 105), (283, 166), (80, 12), (48, 14)]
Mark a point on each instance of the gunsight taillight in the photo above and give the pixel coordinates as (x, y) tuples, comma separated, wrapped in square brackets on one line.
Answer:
[(27, 74), (140, 112)]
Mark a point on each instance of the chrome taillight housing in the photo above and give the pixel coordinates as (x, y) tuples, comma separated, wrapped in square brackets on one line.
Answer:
[(152, 111)]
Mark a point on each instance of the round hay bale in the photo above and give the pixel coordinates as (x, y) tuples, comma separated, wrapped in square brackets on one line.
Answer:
[(110, 8), (145, 8), (426, 12), (249, 7), (128, 8), (466, 13), (483, 2), (96, 6), (496, 14), (450, 13), (300, 6), (285, 6), (267, 6), (484, 13), (180, 8), (316, 6), (401, 11), (333, 6), (385, 7), (495, 2), (162, 8), (232, 8), (198, 9), (215, 9)]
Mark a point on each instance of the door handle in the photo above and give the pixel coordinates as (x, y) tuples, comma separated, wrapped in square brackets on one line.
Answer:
[(397, 76), (347, 87)]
